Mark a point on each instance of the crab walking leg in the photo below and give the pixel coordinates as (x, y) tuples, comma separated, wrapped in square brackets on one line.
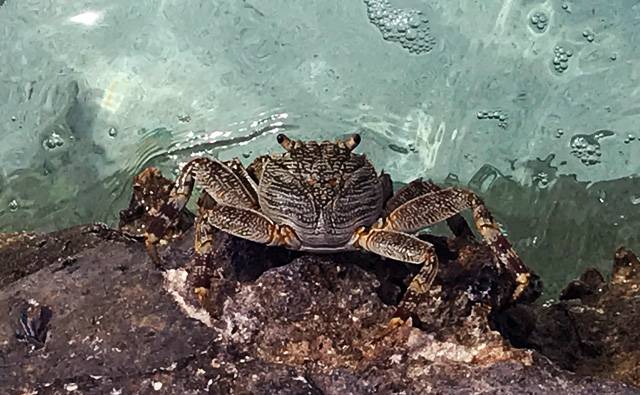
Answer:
[(410, 191), (435, 207), (226, 183), (406, 248), (204, 234), (417, 188), (251, 225)]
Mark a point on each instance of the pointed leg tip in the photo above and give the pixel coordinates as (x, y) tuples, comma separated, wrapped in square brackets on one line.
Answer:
[(201, 293), (395, 322), (522, 282)]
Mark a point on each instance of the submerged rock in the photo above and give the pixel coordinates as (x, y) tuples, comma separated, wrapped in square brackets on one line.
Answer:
[(289, 323)]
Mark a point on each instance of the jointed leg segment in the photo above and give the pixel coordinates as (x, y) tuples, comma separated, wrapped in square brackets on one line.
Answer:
[(422, 204), (434, 207), (229, 186), (406, 248), (251, 225)]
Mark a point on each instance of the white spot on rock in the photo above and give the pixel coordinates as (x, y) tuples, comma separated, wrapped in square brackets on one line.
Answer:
[(175, 282)]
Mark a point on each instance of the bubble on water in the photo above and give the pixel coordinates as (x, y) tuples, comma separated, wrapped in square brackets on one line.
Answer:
[(499, 115), (560, 58), (635, 199), (588, 35), (13, 205), (53, 141), (113, 132), (541, 179), (408, 27), (586, 147), (539, 21)]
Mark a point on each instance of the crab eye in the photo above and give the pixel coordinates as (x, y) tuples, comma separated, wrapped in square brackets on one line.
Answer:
[(284, 141), (353, 141)]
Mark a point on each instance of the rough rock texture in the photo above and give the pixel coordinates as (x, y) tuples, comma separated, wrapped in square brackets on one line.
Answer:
[(278, 322), (593, 329)]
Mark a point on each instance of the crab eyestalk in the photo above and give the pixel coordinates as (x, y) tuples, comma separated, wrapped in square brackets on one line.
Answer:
[(285, 141), (352, 142)]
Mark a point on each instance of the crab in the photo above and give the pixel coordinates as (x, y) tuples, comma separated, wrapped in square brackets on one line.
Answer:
[(322, 197)]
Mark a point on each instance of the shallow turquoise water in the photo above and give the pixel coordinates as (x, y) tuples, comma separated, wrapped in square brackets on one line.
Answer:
[(533, 104)]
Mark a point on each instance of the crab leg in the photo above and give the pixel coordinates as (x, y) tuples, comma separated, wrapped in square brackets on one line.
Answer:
[(417, 188), (251, 225), (437, 206), (226, 182), (406, 248), (410, 191), (204, 233)]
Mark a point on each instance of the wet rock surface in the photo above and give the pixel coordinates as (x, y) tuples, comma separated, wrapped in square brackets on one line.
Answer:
[(592, 330), (288, 323)]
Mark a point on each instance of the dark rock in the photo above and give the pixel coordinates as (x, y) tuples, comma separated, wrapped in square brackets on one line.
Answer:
[(275, 322), (593, 329)]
